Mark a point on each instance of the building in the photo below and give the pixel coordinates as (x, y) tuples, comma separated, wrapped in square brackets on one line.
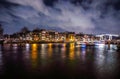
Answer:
[(70, 36)]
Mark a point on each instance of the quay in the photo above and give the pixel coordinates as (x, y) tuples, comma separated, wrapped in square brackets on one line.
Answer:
[(76, 42)]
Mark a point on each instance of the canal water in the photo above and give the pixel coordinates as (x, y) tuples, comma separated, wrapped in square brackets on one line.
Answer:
[(58, 61)]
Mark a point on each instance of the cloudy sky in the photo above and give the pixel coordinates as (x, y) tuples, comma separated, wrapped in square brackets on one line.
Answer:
[(88, 16)]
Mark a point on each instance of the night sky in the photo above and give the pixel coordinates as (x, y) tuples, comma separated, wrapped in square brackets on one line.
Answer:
[(87, 16)]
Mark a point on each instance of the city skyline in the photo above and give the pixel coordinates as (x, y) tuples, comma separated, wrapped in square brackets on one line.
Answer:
[(87, 16)]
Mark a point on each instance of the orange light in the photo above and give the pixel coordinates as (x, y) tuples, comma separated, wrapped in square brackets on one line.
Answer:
[(71, 55), (50, 49), (34, 55)]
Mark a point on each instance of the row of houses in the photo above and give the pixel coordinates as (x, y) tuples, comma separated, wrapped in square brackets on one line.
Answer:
[(48, 35)]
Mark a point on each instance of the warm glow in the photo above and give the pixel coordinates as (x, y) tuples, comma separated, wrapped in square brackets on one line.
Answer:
[(50, 49), (78, 52), (34, 55), (64, 45), (71, 55), (34, 47)]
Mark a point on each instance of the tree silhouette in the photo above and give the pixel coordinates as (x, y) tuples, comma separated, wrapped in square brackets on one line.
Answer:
[(1, 31), (24, 30), (36, 30)]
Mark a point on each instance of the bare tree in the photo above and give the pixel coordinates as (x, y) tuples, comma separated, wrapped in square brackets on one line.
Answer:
[(1, 31)]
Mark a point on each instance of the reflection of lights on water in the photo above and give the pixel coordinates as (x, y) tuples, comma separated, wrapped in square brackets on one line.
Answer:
[(83, 53), (50, 49), (56, 44), (105, 62), (113, 46), (71, 45), (43, 51), (50, 44), (100, 58), (42, 45), (101, 45), (27, 54), (78, 52), (15, 46), (63, 50), (71, 55), (64, 45), (83, 50), (34, 54), (27, 45), (34, 47)]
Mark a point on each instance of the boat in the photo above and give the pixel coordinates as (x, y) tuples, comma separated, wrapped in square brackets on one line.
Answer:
[(99, 43), (81, 44)]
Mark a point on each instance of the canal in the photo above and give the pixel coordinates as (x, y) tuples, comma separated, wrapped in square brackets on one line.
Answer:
[(59, 61)]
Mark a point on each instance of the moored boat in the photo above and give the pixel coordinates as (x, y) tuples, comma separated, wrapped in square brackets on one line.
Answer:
[(81, 44), (99, 43)]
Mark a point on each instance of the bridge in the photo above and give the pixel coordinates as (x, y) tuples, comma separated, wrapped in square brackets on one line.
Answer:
[(107, 36)]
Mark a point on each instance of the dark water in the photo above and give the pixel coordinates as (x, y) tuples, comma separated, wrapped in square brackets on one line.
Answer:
[(59, 61)]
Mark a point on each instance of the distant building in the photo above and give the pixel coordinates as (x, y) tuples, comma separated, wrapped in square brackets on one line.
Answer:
[(70, 36), (62, 36)]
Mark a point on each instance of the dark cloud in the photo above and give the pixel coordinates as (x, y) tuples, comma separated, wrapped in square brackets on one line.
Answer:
[(89, 16), (6, 4), (49, 2)]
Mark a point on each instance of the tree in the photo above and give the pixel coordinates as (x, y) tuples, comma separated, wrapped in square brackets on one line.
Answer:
[(36, 30), (1, 31), (24, 30)]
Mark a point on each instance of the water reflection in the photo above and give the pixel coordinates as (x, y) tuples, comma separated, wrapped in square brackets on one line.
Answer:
[(105, 62), (71, 51), (83, 53), (26, 52), (50, 50), (60, 59), (78, 52), (34, 55), (63, 51), (43, 51), (27, 47), (15, 47)]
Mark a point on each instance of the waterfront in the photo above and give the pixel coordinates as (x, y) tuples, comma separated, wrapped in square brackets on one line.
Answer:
[(58, 61)]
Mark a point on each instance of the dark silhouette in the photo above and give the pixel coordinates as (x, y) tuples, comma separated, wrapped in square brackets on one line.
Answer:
[(24, 30), (1, 31)]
